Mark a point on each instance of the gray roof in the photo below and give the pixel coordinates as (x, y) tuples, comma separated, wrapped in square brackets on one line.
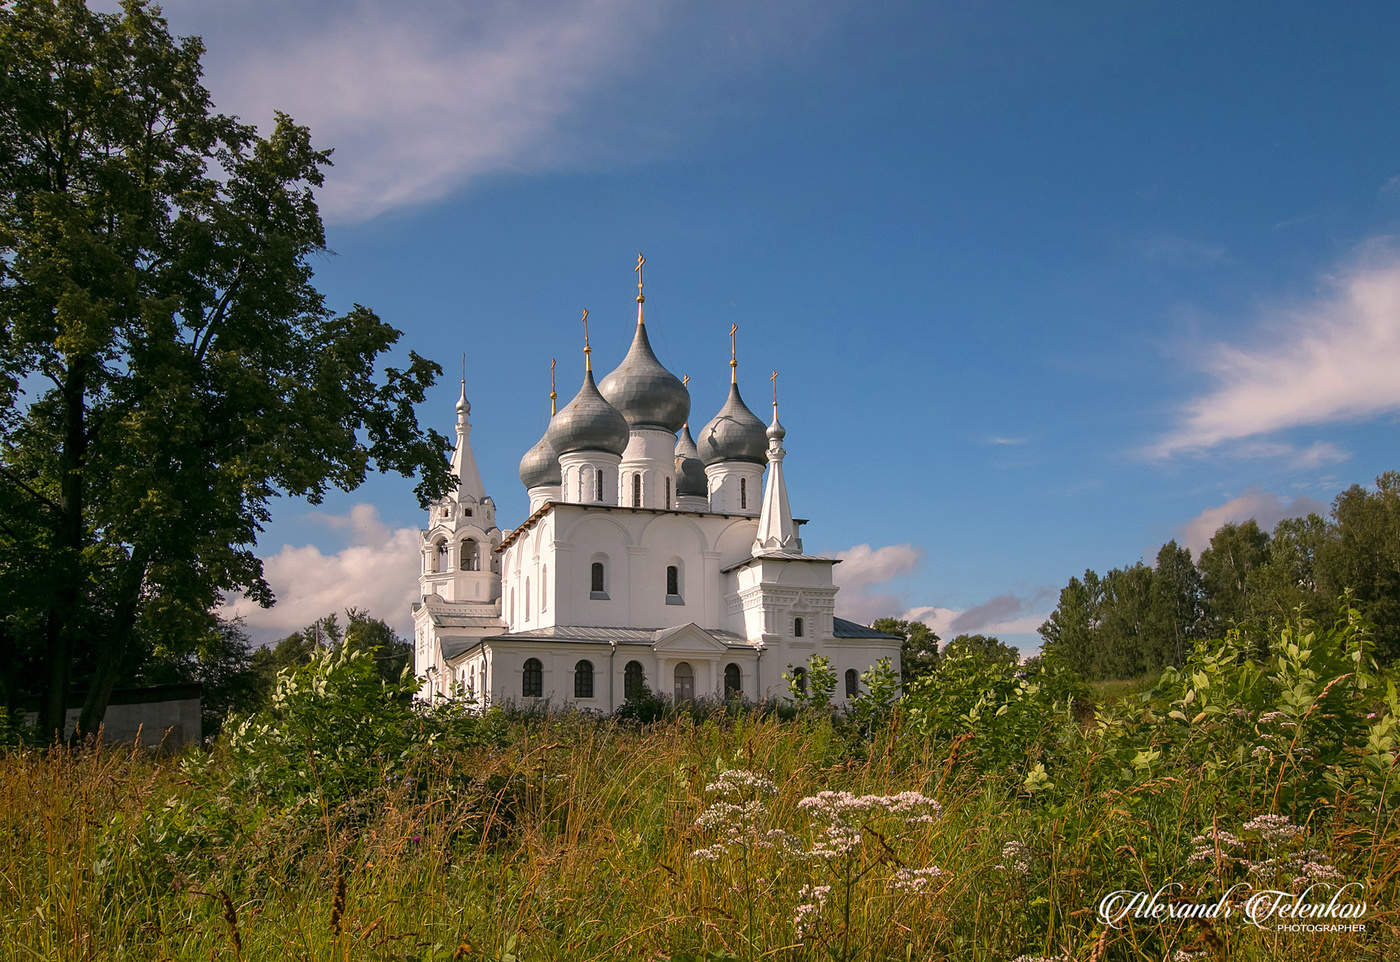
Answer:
[(588, 423), (690, 471), (645, 393), (734, 434), (590, 634), (780, 556), (842, 628), (540, 465)]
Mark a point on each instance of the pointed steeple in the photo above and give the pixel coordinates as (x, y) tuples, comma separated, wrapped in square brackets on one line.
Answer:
[(463, 462), (776, 532)]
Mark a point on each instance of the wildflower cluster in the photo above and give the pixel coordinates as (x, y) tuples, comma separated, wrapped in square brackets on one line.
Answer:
[(809, 909), (736, 818), (841, 814), (1271, 853), (914, 880), (1015, 858)]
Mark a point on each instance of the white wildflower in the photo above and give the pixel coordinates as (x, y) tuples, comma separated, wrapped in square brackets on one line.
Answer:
[(915, 880), (1015, 858), (1273, 828), (809, 910)]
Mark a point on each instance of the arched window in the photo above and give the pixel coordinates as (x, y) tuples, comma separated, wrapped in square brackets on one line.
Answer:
[(673, 581), (633, 681), (527, 599), (743, 493), (470, 561), (852, 683), (800, 676), (597, 585), (685, 682), (598, 495), (583, 679), (532, 679), (732, 680), (797, 627), (668, 492), (544, 589), (440, 554), (636, 490)]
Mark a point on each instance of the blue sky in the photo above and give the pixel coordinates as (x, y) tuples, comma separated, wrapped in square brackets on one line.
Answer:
[(1047, 284)]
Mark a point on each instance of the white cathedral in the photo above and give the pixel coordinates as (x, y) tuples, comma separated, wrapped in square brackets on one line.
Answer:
[(645, 560)]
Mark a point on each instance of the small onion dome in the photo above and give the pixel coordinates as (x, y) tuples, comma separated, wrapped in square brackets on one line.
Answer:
[(540, 465), (690, 470), (647, 395), (734, 434), (588, 423), (776, 431)]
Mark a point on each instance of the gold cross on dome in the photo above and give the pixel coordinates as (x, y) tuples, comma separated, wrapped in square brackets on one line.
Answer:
[(774, 378), (553, 395), (685, 380), (587, 348), (640, 261), (732, 328)]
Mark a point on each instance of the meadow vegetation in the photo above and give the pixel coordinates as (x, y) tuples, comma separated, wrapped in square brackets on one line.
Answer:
[(982, 816)]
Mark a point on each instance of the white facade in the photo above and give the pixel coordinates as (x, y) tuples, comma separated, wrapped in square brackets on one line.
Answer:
[(638, 576)]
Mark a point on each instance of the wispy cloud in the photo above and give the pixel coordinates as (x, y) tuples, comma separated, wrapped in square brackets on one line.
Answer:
[(377, 571), (1265, 507), (423, 97), (862, 575), (1332, 358), (998, 440), (1392, 186), (1174, 250), (1312, 456)]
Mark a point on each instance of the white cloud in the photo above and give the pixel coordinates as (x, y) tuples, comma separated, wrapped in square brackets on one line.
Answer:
[(422, 97), (998, 440), (863, 570), (1330, 359), (377, 571), (1265, 507), (1312, 456)]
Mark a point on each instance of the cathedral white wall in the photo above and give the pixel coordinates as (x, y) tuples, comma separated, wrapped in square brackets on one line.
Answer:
[(736, 487), (650, 456)]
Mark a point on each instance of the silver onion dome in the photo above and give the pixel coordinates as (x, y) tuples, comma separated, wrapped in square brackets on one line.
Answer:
[(734, 434), (690, 470), (645, 393), (588, 423), (540, 465)]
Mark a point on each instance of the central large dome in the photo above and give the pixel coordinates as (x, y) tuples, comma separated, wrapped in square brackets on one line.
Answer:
[(644, 392)]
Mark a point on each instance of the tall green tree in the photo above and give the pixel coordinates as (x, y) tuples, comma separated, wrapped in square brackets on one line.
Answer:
[(1177, 606), (1070, 633), (167, 367), (982, 646), (1235, 551), (919, 653), (1364, 558)]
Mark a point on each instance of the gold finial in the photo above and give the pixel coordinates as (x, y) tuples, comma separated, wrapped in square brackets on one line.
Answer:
[(464, 370), (733, 356), (640, 261), (553, 397), (774, 378), (587, 349)]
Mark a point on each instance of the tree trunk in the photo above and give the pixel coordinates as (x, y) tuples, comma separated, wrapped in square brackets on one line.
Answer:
[(62, 614), (112, 654)]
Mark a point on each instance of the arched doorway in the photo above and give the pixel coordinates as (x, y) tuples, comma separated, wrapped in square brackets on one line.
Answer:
[(685, 682)]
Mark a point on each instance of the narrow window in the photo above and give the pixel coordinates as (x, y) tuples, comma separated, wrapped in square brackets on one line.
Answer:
[(743, 493), (441, 564), (732, 681), (633, 681), (852, 683), (583, 679), (596, 585), (544, 589), (668, 492), (673, 580), (797, 627), (599, 495), (470, 560), (636, 490), (532, 679), (469, 512), (527, 599)]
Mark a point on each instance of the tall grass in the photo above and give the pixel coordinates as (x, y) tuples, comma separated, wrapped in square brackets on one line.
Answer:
[(572, 838)]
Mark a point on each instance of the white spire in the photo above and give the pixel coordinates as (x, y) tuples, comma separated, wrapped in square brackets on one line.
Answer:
[(776, 533), (463, 462)]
